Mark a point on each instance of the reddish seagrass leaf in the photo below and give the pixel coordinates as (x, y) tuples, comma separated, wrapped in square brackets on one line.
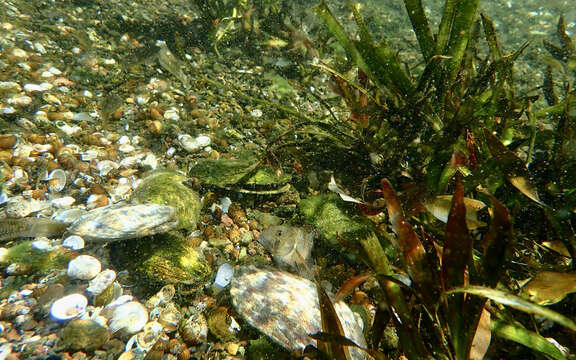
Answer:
[(411, 250), (349, 285), (497, 243), (330, 324), (457, 244)]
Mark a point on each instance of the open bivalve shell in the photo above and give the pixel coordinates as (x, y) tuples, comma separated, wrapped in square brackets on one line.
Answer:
[(285, 307), (84, 267), (128, 319), (69, 307)]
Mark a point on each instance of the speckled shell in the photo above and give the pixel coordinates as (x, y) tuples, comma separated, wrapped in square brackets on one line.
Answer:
[(122, 221), (285, 307)]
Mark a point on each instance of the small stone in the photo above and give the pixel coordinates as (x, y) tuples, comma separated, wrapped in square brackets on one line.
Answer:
[(232, 348), (218, 242)]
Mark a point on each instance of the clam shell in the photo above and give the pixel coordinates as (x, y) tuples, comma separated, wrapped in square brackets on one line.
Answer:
[(128, 318), (73, 242), (56, 180), (120, 222), (101, 282), (84, 267), (285, 307), (69, 307)]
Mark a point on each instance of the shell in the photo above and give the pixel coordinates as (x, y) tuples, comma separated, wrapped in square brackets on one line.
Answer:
[(18, 207), (224, 275), (128, 318), (170, 317), (73, 242), (101, 282), (291, 247), (120, 222), (191, 144), (84, 267), (195, 330), (69, 307), (56, 180), (285, 307), (152, 332), (162, 297), (87, 335)]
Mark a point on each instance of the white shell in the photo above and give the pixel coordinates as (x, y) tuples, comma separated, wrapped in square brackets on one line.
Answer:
[(224, 275), (63, 202), (101, 282), (84, 267), (18, 207), (128, 318), (193, 144), (73, 242), (56, 180), (69, 307), (105, 166), (149, 336)]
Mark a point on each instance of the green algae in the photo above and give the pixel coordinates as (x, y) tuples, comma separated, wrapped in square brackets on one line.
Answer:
[(166, 187)]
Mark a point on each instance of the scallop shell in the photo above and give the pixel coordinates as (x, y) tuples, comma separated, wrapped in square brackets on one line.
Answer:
[(84, 267), (285, 307), (121, 221), (69, 307)]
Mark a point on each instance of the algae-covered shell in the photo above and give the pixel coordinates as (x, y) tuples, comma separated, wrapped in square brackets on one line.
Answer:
[(167, 260), (285, 307), (166, 187), (87, 335), (122, 221)]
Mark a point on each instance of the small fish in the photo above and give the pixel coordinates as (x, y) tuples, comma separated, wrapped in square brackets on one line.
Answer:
[(30, 227), (290, 246)]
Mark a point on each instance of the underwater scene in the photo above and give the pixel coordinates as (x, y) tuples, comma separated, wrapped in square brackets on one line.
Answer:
[(287, 179)]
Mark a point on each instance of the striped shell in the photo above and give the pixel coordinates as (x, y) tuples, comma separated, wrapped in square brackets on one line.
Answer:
[(285, 307), (124, 221)]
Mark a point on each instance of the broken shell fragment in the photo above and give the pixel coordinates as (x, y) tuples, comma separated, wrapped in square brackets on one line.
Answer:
[(68, 307)]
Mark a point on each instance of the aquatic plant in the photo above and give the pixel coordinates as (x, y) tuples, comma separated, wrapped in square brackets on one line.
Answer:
[(451, 126)]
